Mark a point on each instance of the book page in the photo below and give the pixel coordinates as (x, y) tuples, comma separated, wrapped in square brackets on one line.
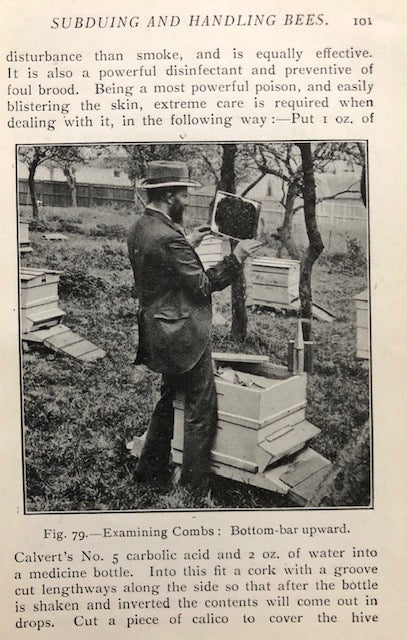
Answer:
[(298, 109)]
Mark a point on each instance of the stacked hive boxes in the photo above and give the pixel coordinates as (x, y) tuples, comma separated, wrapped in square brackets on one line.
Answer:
[(212, 250), (259, 425), (24, 236), (274, 282), (41, 316), (39, 299)]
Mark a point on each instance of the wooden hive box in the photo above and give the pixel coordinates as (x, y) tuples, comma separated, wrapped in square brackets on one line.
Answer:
[(362, 324), (284, 390), (256, 426), (39, 299), (212, 250), (24, 236), (275, 282)]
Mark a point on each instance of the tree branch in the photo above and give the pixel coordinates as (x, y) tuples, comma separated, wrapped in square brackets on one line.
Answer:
[(253, 184)]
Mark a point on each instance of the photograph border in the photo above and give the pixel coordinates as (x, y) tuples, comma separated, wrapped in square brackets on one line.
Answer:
[(370, 507)]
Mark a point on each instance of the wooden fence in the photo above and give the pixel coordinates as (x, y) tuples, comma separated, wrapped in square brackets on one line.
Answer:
[(336, 219), (56, 193), (53, 193)]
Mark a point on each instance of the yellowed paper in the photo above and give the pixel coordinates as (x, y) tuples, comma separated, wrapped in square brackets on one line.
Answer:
[(182, 74)]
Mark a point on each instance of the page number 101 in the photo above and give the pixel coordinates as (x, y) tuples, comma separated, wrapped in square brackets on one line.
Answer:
[(362, 22)]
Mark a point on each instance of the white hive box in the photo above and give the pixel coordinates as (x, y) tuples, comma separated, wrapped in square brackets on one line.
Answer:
[(275, 282), (269, 452), (39, 299), (24, 236), (362, 324), (256, 426), (41, 317), (212, 250)]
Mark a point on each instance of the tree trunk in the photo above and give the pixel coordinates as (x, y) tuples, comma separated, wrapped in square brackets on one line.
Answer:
[(315, 246), (70, 178), (285, 231), (33, 194), (363, 185), (347, 482), (363, 176), (228, 183)]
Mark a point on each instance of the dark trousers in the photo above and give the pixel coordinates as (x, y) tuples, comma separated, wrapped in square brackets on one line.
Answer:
[(198, 386)]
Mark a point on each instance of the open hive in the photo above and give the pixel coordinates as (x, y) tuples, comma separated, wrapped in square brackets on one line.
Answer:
[(262, 433)]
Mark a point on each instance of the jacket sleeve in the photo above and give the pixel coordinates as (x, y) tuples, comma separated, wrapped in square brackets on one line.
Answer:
[(186, 264), (133, 256)]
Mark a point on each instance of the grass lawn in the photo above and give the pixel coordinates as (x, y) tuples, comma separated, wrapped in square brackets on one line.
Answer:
[(79, 417)]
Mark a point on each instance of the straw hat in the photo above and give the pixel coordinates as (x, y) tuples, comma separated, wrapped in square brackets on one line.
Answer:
[(166, 173)]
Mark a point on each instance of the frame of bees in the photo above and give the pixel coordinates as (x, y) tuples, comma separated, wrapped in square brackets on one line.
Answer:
[(235, 216)]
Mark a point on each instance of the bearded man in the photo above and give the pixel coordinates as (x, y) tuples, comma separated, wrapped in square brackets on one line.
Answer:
[(175, 319)]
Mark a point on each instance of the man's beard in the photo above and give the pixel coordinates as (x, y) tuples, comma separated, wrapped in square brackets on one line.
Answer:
[(176, 211)]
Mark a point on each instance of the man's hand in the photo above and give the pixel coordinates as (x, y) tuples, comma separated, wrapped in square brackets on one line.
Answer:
[(245, 248), (195, 238)]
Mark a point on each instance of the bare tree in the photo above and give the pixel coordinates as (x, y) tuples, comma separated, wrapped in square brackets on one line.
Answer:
[(70, 157), (33, 157), (69, 169), (64, 156), (280, 160), (284, 161), (227, 182), (297, 173), (316, 246)]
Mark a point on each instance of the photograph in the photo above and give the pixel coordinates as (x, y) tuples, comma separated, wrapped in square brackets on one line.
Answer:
[(194, 326)]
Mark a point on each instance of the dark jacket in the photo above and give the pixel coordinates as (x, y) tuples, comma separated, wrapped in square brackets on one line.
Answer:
[(174, 291)]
